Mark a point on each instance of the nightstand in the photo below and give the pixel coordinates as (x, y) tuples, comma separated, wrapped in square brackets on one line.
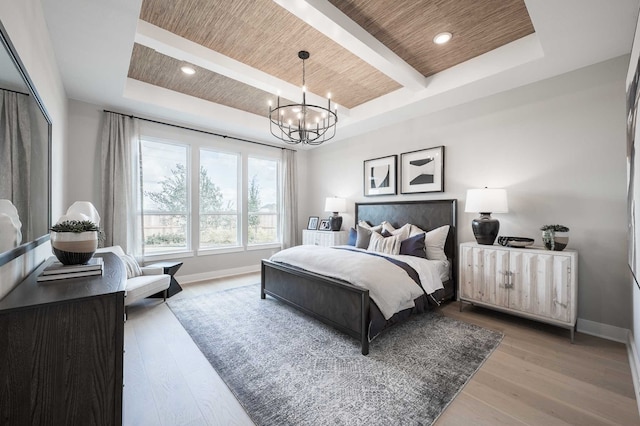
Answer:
[(324, 238)]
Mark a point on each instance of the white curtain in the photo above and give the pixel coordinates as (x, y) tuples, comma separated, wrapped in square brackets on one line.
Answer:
[(15, 155), (289, 206), (121, 184)]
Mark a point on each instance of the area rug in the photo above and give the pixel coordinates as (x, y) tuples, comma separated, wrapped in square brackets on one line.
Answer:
[(286, 368)]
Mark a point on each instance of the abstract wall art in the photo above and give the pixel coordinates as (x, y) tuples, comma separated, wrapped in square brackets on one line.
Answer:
[(423, 170), (380, 176)]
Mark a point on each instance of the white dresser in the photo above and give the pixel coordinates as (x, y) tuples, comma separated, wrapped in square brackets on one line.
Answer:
[(530, 282), (324, 238)]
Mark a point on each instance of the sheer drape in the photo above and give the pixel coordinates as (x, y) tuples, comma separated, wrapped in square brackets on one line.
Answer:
[(121, 188), (15, 155), (289, 199)]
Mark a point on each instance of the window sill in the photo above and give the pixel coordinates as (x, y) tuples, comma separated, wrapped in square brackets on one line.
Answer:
[(167, 256), (222, 250), (264, 246)]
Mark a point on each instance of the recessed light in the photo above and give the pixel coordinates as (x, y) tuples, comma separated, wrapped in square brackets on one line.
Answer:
[(442, 38), (188, 70)]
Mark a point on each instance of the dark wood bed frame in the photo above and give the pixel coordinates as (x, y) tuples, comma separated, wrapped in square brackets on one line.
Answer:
[(343, 305)]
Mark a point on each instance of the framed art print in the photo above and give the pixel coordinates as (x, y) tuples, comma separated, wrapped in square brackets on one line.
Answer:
[(422, 171), (324, 225), (313, 223), (380, 176)]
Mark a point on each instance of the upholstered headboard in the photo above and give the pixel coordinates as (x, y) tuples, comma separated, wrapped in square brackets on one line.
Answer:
[(427, 215)]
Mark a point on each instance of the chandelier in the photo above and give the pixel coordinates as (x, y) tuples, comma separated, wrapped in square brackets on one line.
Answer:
[(303, 123)]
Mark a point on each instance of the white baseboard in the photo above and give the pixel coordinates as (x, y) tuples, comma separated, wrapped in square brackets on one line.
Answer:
[(634, 363), (606, 331), (192, 278)]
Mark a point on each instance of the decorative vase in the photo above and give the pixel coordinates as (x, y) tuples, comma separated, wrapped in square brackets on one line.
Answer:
[(74, 248), (556, 241)]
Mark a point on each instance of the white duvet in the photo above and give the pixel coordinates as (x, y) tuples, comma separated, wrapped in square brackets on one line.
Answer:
[(390, 287)]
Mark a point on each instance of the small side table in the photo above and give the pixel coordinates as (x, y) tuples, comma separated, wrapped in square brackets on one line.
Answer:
[(169, 268)]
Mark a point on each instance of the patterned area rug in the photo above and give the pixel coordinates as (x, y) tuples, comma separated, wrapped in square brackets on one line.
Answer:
[(286, 368)]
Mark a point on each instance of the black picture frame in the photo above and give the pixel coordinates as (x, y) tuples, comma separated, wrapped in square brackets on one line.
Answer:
[(312, 224), (380, 176), (324, 225), (422, 171)]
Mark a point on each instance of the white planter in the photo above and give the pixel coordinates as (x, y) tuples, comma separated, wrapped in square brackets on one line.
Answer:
[(73, 248)]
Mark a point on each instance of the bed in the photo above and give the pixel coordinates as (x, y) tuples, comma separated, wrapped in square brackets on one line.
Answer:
[(347, 307)]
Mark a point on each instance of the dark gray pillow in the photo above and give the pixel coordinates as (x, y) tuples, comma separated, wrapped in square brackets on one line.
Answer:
[(363, 237), (414, 246)]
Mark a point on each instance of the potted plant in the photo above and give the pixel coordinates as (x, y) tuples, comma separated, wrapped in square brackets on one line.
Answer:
[(74, 241), (551, 239)]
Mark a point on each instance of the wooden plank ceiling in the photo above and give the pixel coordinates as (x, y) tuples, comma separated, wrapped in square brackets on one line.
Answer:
[(267, 37)]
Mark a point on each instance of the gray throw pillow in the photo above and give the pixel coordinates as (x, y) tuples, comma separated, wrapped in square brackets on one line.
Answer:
[(364, 235)]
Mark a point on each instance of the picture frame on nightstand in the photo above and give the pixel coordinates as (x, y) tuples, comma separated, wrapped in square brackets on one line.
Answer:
[(325, 225), (313, 223)]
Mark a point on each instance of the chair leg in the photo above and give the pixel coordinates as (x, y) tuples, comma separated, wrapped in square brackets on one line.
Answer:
[(164, 294)]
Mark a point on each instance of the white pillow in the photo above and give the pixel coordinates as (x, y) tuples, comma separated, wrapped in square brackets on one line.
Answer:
[(404, 230), (434, 241), (377, 228), (389, 245), (131, 265)]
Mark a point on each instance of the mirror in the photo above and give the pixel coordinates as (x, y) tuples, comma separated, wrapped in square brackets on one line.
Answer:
[(25, 151)]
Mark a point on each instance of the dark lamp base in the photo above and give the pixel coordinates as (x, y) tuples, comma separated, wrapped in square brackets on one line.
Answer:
[(485, 229), (335, 221)]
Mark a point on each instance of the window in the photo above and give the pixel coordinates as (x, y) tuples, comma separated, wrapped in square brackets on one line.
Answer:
[(263, 201), (220, 217), (206, 195), (165, 196)]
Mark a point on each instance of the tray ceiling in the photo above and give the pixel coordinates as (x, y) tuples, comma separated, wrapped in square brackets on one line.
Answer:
[(375, 56), (266, 37)]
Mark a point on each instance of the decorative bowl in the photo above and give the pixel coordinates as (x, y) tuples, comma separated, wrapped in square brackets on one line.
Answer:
[(74, 248), (515, 241)]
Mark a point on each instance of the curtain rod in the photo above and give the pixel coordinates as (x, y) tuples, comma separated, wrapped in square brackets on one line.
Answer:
[(14, 91), (200, 131)]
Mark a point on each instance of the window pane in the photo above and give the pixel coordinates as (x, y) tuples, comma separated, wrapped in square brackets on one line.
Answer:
[(218, 199), (263, 201), (165, 196), (164, 233), (218, 230)]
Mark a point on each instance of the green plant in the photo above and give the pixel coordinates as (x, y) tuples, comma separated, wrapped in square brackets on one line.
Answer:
[(554, 228), (75, 226)]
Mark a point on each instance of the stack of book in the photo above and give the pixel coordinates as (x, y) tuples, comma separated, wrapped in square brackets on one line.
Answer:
[(57, 271)]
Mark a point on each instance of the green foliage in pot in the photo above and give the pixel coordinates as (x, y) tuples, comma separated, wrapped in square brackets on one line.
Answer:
[(551, 242), (554, 228), (76, 226)]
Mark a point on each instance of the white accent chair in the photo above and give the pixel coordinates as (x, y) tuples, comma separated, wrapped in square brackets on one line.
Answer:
[(152, 280)]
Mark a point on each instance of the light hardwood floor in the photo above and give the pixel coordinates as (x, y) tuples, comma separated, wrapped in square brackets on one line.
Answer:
[(535, 377)]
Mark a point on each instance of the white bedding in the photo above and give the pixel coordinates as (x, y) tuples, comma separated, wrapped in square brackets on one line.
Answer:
[(390, 287)]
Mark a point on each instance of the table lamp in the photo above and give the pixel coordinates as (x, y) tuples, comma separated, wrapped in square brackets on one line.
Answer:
[(486, 201), (335, 205)]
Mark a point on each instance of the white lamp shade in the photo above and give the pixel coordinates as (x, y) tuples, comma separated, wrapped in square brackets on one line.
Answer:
[(335, 204), (486, 200)]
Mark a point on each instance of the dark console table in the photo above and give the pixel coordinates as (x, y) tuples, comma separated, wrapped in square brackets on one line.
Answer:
[(61, 349)]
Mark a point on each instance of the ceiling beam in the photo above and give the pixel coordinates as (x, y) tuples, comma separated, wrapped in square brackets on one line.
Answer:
[(330, 21), (177, 47)]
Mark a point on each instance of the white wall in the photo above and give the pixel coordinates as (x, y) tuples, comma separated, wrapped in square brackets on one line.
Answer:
[(84, 182), (27, 29), (557, 146)]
